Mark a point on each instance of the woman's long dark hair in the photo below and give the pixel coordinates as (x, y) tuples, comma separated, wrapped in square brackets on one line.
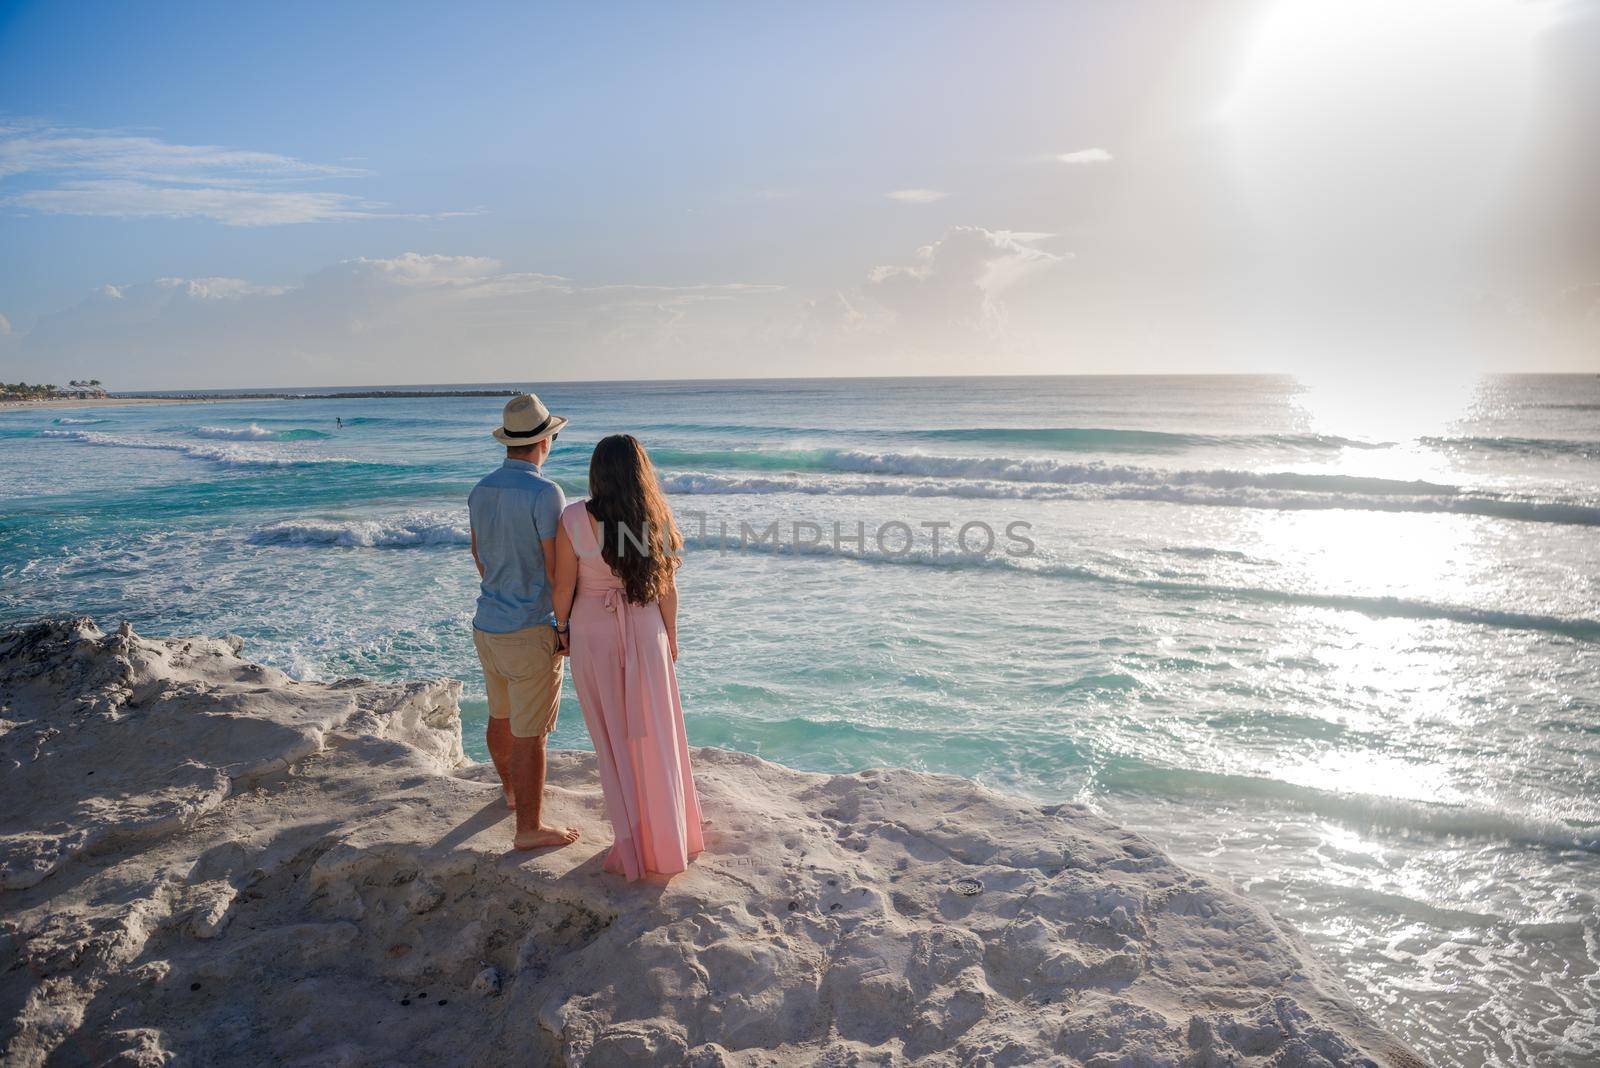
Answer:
[(637, 535)]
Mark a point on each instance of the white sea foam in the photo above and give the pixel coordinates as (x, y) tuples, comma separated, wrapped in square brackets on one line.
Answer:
[(236, 433), (411, 530), (225, 454), (1373, 606), (1038, 469), (67, 420), (1503, 507), (1459, 820), (423, 529)]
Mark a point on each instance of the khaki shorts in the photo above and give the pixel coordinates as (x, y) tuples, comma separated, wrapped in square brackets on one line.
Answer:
[(523, 675)]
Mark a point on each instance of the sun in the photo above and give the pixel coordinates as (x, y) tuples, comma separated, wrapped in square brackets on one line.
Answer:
[(1369, 143), (1352, 53)]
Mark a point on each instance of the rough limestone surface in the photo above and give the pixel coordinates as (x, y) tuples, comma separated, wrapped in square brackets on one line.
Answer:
[(207, 863)]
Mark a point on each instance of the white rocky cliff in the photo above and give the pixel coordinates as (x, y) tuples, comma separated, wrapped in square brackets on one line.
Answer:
[(204, 862)]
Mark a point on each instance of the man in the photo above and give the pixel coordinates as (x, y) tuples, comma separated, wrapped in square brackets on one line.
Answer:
[(515, 513)]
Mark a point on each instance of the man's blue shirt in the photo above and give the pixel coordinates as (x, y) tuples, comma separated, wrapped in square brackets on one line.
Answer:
[(513, 510)]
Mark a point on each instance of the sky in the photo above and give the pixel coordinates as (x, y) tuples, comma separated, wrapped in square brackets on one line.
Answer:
[(201, 195)]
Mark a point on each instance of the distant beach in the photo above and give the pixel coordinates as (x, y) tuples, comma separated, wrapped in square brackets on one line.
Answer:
[(121, 400), (58, 403)]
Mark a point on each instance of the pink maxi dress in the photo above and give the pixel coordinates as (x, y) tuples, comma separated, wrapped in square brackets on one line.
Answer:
[(622, 668)]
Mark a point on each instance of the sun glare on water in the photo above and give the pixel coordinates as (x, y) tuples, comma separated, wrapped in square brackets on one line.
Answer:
[(1398, 404)]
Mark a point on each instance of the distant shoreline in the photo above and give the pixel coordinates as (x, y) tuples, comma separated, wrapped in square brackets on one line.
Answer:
[(99, 402), (219, 398)]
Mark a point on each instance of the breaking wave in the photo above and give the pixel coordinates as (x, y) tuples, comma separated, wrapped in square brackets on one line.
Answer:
[(236, 433), (228, 455), (412, 530), (1529, 510), (1109, 440), (1065, 438), (1036, 470), (1588, 450), (253, 432), (425, 529)]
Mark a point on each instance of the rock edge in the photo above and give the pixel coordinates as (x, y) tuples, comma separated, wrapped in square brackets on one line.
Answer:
[(205, 862)]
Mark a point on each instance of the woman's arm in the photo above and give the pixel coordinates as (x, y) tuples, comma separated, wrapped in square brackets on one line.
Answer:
[(565, 586), (669, 614)]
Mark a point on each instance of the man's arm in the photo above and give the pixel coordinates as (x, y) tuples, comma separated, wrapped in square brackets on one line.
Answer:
[(549, 562), (475, 553), (564, 588), (547, 521)]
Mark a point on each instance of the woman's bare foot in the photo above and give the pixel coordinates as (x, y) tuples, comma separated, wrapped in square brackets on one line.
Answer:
[(544, 836)]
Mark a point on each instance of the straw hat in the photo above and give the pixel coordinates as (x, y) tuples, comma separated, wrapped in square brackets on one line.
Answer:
[(526, 420)]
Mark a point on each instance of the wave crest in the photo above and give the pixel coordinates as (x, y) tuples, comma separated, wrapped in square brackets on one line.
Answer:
[(411, 530), (235, 433), (254, 432), (225, 454), (1527, 510), (1061, 439), (1041, 470), (1588, 450), (424, 529)]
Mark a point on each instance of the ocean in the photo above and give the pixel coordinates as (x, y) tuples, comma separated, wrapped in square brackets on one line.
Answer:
[(1339, 648)]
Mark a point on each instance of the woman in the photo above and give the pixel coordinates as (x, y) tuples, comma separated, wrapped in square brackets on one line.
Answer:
[(616, 599)]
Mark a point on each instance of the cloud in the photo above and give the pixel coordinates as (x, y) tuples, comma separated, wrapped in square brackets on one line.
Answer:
[(235, 207), (416, 269), (426, 317), (5, 326), (1085, 155), (25, 149), (413, 317), (957, 280), (916, 196), (105, 173)]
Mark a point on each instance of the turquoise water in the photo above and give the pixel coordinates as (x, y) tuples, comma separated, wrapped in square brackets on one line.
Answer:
[(1341, 649)]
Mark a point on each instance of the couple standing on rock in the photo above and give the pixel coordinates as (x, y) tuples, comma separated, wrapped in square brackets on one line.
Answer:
[(592, 581)]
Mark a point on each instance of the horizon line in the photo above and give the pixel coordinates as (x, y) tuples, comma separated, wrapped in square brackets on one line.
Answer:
[(786, 378)]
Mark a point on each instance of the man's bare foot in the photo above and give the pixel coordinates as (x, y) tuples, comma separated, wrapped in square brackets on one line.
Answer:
[(511, 798), (545, 836)]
